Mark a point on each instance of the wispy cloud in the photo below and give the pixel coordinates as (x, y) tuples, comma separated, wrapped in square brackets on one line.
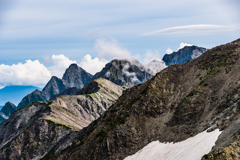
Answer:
[(199, 29), (111, 48)]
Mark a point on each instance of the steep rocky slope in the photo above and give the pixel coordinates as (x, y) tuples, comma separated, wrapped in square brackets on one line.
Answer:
[(179, 102), (124, 72), (183, 55), (32, 131), (76, 76)]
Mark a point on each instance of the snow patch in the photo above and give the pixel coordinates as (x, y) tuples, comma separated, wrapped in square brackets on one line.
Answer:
[(190, 149)]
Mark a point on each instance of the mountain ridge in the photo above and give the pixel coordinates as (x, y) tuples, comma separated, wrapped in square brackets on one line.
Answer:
[(177, 103), (39, 126)]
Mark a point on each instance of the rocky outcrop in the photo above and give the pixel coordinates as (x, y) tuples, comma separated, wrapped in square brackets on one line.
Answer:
[(183, 55), (124, 72), (76, 76), (177, 103), (34, 96), (32, 131)]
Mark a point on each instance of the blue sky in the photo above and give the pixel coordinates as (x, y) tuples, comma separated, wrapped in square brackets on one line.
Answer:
[(94, 32)]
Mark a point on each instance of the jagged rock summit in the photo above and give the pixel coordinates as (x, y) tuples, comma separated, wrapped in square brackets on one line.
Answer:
[(34, 130), (76, 76), (73, 79), (179, 102), (124, 72), (183, 55)]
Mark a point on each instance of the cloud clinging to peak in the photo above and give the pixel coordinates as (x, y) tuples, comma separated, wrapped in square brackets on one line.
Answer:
[(169, 51), (92, 65), (182, 45)]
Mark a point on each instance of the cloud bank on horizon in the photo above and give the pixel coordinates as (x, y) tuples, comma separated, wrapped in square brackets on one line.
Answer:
[(37, 74)]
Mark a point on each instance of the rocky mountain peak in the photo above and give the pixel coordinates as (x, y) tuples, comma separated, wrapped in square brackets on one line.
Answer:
[(183, 55), (54, 87), (8, 109), (76, 76), (124, 72)]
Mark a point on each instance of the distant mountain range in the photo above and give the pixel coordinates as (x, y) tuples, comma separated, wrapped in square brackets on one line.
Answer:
[(126, 73), (15, 94)]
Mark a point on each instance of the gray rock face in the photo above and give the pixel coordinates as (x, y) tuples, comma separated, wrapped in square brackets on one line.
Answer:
[(124, 73), (34, 130), (34, 96), (76, 76), (183, 55), (176, 104)]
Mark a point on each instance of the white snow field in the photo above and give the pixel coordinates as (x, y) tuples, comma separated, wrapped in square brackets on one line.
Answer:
[(190, 149)]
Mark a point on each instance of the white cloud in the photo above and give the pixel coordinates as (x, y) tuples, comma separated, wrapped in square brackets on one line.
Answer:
[(169, 51), (149, 56), (92, 65), (155, 66), (182, 45), (199, 29), (28, 73), (111, 49), (60, 64)]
